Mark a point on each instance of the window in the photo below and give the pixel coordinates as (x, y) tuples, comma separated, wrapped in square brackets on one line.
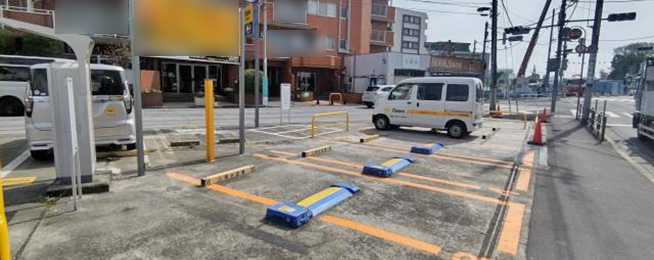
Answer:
[(330, 43), (457, 92), (322, 8), (480, 93), (378, 10), (372, 88), (402, 92), (430, 91), (410, 32), (39, 82), (411, 19), (14, 74), (387, 89), (343, 45), (410, 45), (344, 13), (106, 82)]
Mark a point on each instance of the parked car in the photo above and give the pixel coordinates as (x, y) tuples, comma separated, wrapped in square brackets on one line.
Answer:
[(453, 104), (372, 94), (112, 107), (14, 75)]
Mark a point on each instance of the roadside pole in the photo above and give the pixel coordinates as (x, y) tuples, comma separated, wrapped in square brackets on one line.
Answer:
[(241, 88), (138, 113), (549, 51), (4, 231), (255, 33), (559, 44), (265, 52), (483, 54), (210, 136), (493, 85), (592, 60)]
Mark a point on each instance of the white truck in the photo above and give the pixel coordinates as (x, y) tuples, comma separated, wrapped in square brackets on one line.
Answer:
[(643, 119)]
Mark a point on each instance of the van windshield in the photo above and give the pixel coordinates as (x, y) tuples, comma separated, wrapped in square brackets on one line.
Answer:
[(103, 82)]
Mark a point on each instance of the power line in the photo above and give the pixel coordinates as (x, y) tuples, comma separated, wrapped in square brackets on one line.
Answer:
[(507, 13), (463, 4), (442, 11), (625, 40)]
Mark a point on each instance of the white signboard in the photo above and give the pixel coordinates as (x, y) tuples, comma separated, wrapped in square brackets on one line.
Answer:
[(411, 62), (285, 95)]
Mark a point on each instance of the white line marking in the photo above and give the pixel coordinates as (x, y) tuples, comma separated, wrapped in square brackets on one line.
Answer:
[(542, 157), (612, 115), (292, 131), (15, 163), (619, 125), (628, 115), (574, 112)]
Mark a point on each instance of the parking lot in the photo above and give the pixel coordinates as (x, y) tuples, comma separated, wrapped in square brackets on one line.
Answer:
[(469, 200)]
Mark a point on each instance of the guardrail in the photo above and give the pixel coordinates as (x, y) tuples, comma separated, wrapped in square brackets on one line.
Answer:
[(596, 123), (314, 117)]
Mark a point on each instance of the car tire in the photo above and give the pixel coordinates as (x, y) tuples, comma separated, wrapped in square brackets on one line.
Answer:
[(369, 105), (382, 123), (11, 107), (42, 155), (457, 130), (131, 147)]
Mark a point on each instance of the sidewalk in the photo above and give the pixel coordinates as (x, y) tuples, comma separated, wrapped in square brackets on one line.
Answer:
[(590, 203)]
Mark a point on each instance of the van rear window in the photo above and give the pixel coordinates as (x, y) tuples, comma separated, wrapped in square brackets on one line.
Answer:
[(8, 73), (103, 82), (457, 92)]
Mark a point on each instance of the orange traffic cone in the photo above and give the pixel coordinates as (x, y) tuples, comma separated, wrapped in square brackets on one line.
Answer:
[(498, 112), (543, 116), (537, 138)]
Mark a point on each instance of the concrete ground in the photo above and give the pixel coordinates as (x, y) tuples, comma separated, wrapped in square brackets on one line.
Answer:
[(450, 205)]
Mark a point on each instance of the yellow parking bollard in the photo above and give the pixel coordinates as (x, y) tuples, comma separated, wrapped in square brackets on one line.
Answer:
[(210, 137), (4, 231)]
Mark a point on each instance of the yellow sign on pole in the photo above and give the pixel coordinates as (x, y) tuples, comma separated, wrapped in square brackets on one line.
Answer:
[(187, 28)]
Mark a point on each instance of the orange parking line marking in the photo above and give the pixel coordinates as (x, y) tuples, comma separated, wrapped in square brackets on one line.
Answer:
[(409, 242), (523, 180), (457, 158), (284, 153), (510, 236), (528, 159), (410, 175), (396, 238), (389, 180), (366, 128)]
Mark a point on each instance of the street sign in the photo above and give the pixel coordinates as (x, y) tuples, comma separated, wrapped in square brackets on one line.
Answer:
[(190, 27), (581, 48), (285, 98), (552, 65), (250, 17), (592, 49)]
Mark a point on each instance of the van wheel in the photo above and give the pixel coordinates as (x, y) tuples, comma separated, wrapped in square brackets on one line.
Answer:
[(11, 107), (457, 130), (369, 105), (131, 147), (382, 123), (41, 155)]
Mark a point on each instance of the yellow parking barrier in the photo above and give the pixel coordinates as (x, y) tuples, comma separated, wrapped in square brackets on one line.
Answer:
[(210, 137), (313, 120), (4, 231)]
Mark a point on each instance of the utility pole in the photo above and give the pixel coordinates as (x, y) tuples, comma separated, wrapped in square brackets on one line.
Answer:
[(138, 113), (549, 51), (493, 55), (265, 52), (257, 66), (534, 40), (559, 46), (592, 59), (483, 53)]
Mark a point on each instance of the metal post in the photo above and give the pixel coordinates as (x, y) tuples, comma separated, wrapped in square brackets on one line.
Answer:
[(483, 54), (559, 46), (493, 54), (241, 88), (604, 121), (257, 77), (549, 51), (534, 39), (210, 137), (577, 112), (5, 252), (265, 52), (592, 60), (138, 114)]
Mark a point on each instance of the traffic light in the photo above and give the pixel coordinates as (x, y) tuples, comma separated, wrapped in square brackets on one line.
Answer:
[(622, 17), (517, 30)]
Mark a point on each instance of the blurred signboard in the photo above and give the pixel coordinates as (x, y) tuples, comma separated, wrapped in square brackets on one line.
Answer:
[(251, 13), (295, 43), (92, 17), (290, 11), (189, 27), (443, 65)]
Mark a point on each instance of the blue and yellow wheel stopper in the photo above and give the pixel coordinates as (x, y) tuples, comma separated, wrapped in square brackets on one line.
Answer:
[(427, 149), (387, 168), (295, 215)]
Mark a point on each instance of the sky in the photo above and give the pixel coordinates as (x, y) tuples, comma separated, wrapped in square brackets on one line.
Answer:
[(458, 20)]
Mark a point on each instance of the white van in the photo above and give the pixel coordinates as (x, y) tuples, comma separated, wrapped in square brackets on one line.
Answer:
[(112, 103), (14, 75), (454, 104)]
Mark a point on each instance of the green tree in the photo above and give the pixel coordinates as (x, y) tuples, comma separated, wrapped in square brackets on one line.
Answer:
[(628, 58)]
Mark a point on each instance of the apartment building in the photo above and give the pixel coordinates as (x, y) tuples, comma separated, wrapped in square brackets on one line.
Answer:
[(405, 56)]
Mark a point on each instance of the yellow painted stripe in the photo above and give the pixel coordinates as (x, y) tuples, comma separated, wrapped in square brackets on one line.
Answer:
[(318, 196), (15, 181), (409, 242), (390, 162), (510, 236), (356, 226), (524, 180)]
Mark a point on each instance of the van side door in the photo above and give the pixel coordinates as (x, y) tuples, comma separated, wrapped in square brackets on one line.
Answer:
[(458, 103), (429, 110), (400, 101)]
